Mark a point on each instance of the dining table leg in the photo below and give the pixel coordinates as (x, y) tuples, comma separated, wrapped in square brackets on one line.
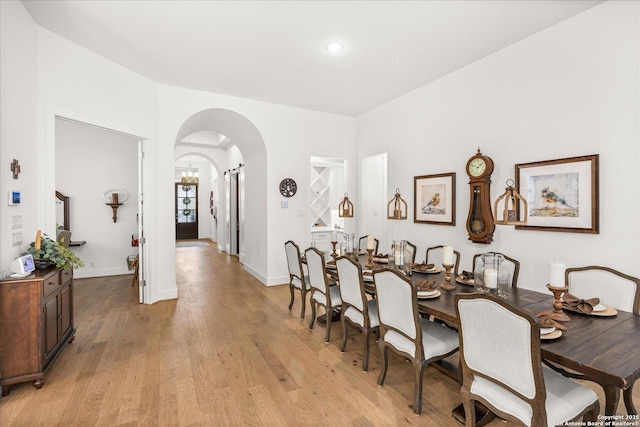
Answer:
[(612, 397), (628, 400)]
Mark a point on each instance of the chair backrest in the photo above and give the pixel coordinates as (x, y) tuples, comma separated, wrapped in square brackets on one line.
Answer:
[(512, 264), (615, 289), (412, 249), (501, 343), (434, 256), (351, 285), (397, 305), (317, 270), (362, 244), (293, 260)]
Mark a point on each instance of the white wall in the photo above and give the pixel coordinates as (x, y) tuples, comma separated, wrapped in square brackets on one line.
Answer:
[(570, 90), (291, 136), (18, 49), (75, 83), (89, 162)]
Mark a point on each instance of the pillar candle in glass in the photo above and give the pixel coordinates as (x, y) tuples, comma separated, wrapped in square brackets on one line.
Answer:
[(491, 278)]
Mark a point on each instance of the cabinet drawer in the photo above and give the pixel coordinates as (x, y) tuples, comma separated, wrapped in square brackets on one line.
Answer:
[(50, 284), (321, 236), (66, 276)]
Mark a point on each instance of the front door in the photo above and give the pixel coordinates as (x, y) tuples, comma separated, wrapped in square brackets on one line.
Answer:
[(186, 211)]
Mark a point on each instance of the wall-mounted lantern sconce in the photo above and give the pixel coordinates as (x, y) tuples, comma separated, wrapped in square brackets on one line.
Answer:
[(345, 208), (515, 208), (399, 210)]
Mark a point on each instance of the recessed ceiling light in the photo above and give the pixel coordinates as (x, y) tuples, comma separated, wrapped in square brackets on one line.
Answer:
[(334, 47)]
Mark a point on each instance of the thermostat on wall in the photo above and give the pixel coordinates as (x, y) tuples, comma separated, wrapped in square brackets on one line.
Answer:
[(14, 198)]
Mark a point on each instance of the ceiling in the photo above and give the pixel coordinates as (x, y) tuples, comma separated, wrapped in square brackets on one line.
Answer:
[(275, 51)]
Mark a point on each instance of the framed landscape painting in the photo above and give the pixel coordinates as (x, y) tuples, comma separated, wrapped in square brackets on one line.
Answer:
[(434, 199), (562, 194)]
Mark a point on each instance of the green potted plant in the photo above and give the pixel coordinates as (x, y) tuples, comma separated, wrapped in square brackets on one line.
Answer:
[(47, 252)]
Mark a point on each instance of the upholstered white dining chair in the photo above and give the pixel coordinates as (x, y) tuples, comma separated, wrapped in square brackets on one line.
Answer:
[(298, 281), (357, 309), (406, 333), (322, 293), (362, 244), (434, 256), (502, 367), (614, 288), (412, 250)]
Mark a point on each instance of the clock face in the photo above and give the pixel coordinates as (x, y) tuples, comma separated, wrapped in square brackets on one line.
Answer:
[(288, 187), (477, 167)]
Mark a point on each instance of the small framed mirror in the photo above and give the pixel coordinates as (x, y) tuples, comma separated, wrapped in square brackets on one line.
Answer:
[(62, 211)]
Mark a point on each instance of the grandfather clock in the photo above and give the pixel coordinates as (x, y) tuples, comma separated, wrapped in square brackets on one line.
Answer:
[(480, 224)]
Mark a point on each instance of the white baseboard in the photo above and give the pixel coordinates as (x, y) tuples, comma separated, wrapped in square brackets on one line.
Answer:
[(85, 273)]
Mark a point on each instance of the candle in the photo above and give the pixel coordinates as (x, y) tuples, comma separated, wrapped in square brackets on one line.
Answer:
[(556, 273), (447, 255), (38, 240), (491, 278), (371, 243), (114, 198)]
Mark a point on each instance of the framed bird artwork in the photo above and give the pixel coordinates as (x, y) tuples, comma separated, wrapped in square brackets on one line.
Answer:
[(562, 194), (434, 199)]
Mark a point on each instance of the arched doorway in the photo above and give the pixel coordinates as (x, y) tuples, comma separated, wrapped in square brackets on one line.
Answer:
[(245, 148)]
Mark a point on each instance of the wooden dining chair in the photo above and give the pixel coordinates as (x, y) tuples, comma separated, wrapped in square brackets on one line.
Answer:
[(434, 256), (412, 249), (501, 365), (357, 310), (298, 281), (362, 245), (406, 333), (616, 290), (322, 293), (513, 265)]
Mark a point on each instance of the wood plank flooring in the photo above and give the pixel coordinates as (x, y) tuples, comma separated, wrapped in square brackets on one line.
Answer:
[(226, 353)]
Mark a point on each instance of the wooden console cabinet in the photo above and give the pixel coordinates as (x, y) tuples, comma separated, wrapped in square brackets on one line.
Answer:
[(36, 323)]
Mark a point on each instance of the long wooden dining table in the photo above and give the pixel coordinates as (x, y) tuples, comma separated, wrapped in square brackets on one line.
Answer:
[(606, 350)]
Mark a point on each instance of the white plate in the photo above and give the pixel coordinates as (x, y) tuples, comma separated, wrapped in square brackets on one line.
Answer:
[(544, 331), (599, 307), (367, 278), (422, 294)]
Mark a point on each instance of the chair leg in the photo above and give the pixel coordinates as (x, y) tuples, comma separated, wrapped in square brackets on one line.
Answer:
[(365, 355), (383, 369), (292, 297), (469, 408), (418, 375), (328, 311), (303, 297), (345, 333), (313, 313)]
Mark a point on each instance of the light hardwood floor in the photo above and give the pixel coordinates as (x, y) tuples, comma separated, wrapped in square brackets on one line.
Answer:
[(226, 353)]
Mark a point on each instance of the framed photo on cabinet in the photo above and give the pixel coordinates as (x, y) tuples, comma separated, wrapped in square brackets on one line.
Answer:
[(434, 199), (562, 194)]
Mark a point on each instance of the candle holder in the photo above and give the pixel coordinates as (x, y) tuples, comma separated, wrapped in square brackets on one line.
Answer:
[(447, 285), (334, 254), (558, 314), (370, 264)]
